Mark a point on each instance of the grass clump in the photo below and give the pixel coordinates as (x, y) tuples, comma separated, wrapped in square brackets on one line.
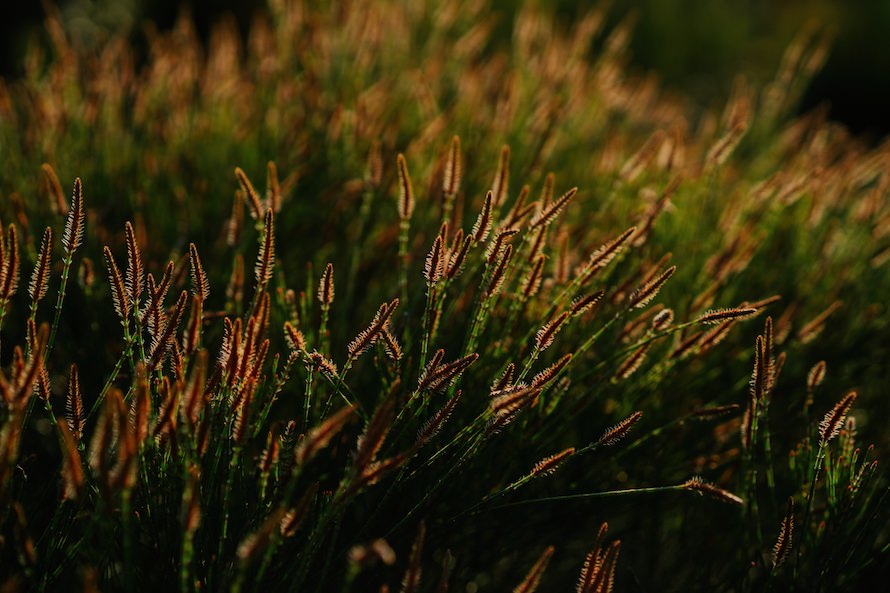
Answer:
[(499, 327)]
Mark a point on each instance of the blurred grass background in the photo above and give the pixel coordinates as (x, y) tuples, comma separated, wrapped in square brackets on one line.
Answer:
[(695, 46)]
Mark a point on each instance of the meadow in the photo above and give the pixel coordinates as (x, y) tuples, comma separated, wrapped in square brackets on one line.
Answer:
[(419, 297)]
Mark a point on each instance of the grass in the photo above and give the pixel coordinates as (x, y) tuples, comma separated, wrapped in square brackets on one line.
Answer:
[(517, 318)]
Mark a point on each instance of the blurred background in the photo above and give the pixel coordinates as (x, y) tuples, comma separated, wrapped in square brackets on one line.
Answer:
[(696, 46)]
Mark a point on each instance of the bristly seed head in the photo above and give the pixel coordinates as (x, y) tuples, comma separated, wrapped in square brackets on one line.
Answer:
[(644, 294), (696, 484), (72, 237), (326, 286), (135, 272), (200, 285), (434, 265), (715, 316), (786, 536), (497, 276), (545, 336), (266, 259), (549, 465), (40, 276), (483, 221), (546, 216), (583, 304), (833, 421), (118, 292), (619, 431)]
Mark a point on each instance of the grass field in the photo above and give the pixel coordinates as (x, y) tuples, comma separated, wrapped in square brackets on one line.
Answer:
[(384, 299)]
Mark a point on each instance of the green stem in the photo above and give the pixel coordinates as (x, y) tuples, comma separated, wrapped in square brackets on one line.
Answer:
[(364, 215), (427, 326), (230, 484), (592, 495), (307, 399), (126, 517), (805, 525), (66, 266)]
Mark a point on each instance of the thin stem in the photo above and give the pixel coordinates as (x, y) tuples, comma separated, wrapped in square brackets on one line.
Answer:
[(804, 526), (127, 519), (230, 484), (404, 226), (307, 399), (66, 266), (591, 495)]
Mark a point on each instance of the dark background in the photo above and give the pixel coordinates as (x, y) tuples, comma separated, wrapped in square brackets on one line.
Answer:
[(695, 45)]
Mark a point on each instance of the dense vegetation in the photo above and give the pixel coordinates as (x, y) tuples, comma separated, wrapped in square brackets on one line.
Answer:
[(383, 299)]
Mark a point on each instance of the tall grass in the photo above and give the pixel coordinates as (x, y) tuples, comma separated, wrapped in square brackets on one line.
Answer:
[(505, 293)]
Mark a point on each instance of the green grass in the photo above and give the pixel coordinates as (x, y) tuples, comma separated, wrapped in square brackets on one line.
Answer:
[(292, 427)]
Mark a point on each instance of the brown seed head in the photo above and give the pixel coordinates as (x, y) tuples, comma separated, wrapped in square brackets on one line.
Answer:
[(434, 265), (265, 262), (9, 269), (547, 215), (531, 581), (250, 194), (545, 336), (54, 189), (816, 376), (784, 541), (483, 222), (72, 237), (645, 293), (200, 285), (74, 406), (118, 291), (40, 275), (696, 484), (550, 373), (833, 421), (326, 286), (715, 316), (549, 465), (406, 190), (273, 189), (452, 176), (619, 431), (497, 276)]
